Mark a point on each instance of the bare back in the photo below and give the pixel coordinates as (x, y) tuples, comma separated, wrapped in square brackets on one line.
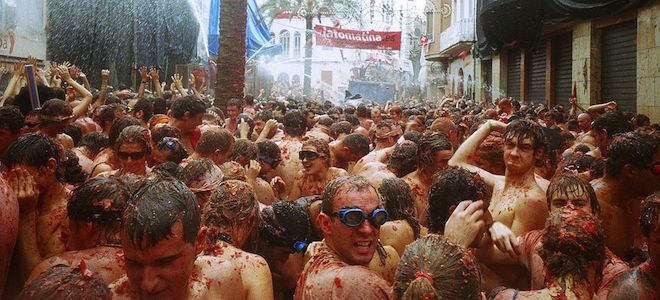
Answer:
[(291, 164), (255, 273), (106, 263)]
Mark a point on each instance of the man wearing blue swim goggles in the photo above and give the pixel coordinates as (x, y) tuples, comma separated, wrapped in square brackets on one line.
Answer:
[(350, 220)]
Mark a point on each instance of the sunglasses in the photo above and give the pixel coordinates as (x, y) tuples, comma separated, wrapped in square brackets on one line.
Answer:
[(354, 217), (31, 125), (132, 155), (308, 155), (270, 161)]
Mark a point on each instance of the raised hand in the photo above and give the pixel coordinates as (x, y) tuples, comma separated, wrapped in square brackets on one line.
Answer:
[(25, 188), (466, 223), (253, 170), (31, 60), (191, 81), (105, 75), (63, 70), (144, 74), (19, 68), (177, 80), (153, 73)]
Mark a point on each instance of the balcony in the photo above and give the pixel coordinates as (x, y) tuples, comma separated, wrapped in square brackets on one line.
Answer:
[(458, 37)]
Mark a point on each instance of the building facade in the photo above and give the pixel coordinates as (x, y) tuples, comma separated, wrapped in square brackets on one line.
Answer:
[(608, 58)]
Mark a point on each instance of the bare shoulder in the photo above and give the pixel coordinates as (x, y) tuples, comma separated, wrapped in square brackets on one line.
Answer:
[(219, 277), (337, 172), (120, 289), (635, 284)]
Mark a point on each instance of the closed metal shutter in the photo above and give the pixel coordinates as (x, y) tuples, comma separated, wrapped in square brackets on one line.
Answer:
[(513, 74), (487, 67), (536, 75), (562, 60), (619, 65)]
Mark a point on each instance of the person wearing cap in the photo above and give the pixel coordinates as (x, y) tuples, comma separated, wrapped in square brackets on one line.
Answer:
[(350, 219)]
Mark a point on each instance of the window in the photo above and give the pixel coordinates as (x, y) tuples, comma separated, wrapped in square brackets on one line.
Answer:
[(284, 41), (430, 20), (296, 44)]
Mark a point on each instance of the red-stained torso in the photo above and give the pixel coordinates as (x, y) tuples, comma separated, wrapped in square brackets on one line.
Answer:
[(291, 164), (106, 263), (8, 228)]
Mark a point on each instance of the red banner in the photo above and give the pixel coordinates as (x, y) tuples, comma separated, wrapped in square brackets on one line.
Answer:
[(357, 39)]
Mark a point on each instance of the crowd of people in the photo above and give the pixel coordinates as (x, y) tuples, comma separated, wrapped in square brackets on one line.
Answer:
[(158, 193)]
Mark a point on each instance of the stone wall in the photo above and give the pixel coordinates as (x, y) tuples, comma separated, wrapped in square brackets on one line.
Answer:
[(648, 61)]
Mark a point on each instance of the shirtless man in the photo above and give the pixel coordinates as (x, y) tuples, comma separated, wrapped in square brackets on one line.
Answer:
[(447, 127), (434, 152), (585, 136), (35, 164), (160, 234), (517, 201), (631, 173), (8, 229), (230, 217), (316, 172), (94, 212), (642, 281), (385, 139), (321, 129), (294, 130), (402, 161), (351, 216), (216, 144), (605, 127), (187, 113), (349, 150), (234, 108)]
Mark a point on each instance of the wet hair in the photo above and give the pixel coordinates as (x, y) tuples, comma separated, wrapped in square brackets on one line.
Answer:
[(650, 214), (642, 120), (571, 185), (94, 142), (585, 163), (74, 132), (581, 148), (119, 125), (195, 169), (162, 131), (363, 112), (356, 143), (61, 282), (233, 171), (235, 102), (429, 145), (399, 202), (244, 148), (403, 160), (321, 146), (294, 123), (176, 151), (146, 106), (155, 207), (450, 187), (413, 136), (396, 110), (134, 134), (443, 125), (107, 113), (11, 118), (32, 149), (187, 104), (168, 168), (102, 201), (214, 139), (434, 268), (352, 119), (343, 185), (269, 149), (263, 116), (232, 204), (52, 109), (523, 129), (249, 99), (283, 223), (341, 127), (22, 100), (571, 240), (634, 148), (73, 172), (326, 121), (160, 105), (613, 122)]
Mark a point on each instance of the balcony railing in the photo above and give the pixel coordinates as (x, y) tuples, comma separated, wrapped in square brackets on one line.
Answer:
[(461, 31)]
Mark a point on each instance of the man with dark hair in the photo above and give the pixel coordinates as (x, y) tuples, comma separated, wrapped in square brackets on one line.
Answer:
[(187, 113), (350, 219), (642, 281), (385, 138), (346, 152), (143, 109), (160, 234), (518, 202), (234, 108), (433, 152), (631, 173), (341, 129), (216, 144), (294, 130), (36, 169), (11, 123), (401, 162), (248, 105), (605, 127)]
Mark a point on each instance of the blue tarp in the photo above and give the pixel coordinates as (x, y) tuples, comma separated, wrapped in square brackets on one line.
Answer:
[(257, 35)]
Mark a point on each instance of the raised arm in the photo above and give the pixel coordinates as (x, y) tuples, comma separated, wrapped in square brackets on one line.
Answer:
[(462, 155), (178, 84), (155, 79), (103, 93), (80, 109), (143, 84), (17, 72)]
